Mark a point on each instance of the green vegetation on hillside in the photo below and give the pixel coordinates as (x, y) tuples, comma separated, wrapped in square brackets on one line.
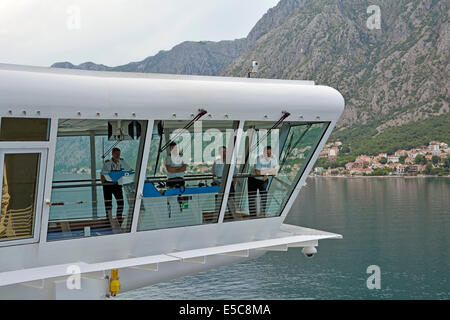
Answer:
[(364, 139)]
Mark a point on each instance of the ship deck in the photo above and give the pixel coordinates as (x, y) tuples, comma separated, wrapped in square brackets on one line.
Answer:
[(289, 236)]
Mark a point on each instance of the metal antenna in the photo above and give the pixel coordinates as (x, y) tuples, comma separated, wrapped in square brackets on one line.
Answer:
[(201, 113), (283, 117)]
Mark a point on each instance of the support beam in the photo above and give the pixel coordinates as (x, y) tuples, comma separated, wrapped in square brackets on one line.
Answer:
[(275, 248), (230, 175), (38, 284), (196, 260), (93, 175), (141, 178), (303, 244), (147, 267), (241, 253)]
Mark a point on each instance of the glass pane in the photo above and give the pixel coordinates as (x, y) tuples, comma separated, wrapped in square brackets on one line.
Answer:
[(94, 179), (24, 129), (271, 161), (20, 176), (186, 173)]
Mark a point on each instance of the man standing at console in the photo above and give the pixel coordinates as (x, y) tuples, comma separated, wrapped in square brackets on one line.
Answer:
[(110, 188), (266, 165)]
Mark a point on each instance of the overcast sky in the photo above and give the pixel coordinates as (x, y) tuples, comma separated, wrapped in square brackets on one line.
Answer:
[(115, 32)]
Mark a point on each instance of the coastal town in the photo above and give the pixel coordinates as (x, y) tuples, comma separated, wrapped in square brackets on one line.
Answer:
[(431, 159)]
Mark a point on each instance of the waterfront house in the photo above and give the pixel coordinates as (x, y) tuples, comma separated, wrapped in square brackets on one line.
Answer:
[(360, 171), (434, 146), (416, 168), (401, 153), (364, 160), (409, 160), (324, 153), (401, 169), (435, 152), (393, 159), (318, 170), (377, 165), (332, 154), (349, 166)]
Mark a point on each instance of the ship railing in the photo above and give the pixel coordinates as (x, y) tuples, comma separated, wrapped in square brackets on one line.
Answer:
[(75, 217)]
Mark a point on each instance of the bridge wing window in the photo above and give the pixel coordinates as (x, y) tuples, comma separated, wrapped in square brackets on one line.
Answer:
[(19, 190), (270, 163), (94, 179), (24, 129), (186, 173)]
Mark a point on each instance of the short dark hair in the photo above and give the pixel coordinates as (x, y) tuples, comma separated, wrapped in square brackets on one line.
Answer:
[(269, 147), (115, 149), (172, 144)]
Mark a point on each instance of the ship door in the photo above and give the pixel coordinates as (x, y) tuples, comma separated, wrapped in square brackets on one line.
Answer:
[(22, 179)]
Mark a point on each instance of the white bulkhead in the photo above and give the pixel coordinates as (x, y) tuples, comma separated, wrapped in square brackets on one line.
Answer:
[(157, 176)]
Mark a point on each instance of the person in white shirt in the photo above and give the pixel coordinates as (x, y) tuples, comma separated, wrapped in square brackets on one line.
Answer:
[(266, 165), (116, 163), (175, 167)]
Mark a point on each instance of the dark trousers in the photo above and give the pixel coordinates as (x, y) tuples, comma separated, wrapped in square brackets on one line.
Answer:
[(108, 191), (175, 183), (253, 186)]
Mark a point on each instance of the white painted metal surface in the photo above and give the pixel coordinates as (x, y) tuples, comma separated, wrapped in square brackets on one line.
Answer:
[(291, 236), (35, 270), (103, 95)]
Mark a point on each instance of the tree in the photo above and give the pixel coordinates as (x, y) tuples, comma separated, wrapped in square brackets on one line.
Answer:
[(345, 150), (420, 159), (379, 172), (428, 169), (402, 159), (383, 160), (435, 160), (447, 162)]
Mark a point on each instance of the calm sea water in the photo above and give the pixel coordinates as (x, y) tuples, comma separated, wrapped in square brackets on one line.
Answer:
[(401, 225)]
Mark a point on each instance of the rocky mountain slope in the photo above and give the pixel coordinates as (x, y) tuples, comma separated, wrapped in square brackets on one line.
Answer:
[(199, 58), (389, 77), (202, 58)]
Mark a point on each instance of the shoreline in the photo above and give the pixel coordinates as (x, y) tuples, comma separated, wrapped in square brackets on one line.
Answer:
[(385, 177)]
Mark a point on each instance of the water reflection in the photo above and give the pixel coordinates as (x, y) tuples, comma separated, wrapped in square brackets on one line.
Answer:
[(399, 224)]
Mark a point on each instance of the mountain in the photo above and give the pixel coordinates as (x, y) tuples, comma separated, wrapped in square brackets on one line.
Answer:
[(202, 57), (389, 77)]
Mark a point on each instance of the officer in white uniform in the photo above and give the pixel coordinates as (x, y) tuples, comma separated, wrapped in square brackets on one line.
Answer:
[(266, 165), (116, 163)]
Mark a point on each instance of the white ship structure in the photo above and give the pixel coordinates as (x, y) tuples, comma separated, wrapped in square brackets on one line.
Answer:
[(195, 186)]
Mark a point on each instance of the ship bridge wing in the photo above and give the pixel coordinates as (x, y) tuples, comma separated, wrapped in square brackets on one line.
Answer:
[(289, 236)]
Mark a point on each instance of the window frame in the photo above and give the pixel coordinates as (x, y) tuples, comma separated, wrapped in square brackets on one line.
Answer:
[(54, 129), (300, 174), (237, 126), (8, 148), (307, 163), (48, 133)]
